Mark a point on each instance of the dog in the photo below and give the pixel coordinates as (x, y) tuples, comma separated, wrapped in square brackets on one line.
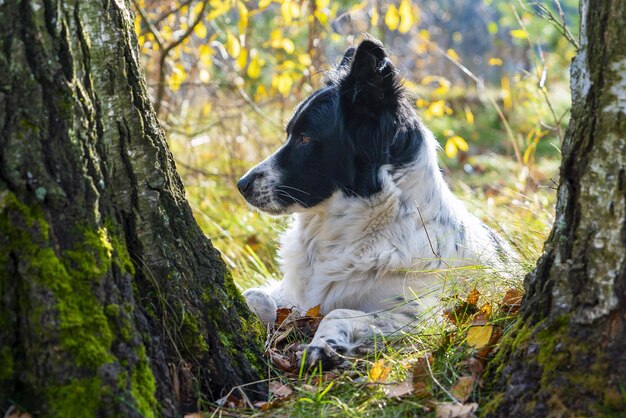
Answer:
[(374, 221)]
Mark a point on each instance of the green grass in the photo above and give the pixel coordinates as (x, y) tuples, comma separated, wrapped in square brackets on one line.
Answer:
[(517, 201)]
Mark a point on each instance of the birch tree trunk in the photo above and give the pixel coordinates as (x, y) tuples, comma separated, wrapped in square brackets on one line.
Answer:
[(567, 355), (112, 301)]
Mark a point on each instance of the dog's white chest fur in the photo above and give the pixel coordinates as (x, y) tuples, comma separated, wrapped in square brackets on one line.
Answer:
[(363, 253)]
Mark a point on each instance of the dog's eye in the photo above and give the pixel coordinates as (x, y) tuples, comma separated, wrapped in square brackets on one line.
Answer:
[(304, 139)]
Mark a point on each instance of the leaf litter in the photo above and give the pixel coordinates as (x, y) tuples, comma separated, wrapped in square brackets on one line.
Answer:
[(472, 323)]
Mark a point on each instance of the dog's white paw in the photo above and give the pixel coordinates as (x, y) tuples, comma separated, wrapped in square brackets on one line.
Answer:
[(262, 304), (327, 354)]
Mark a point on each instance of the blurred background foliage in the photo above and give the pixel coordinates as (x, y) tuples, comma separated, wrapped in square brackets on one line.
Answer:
[(489, 77)]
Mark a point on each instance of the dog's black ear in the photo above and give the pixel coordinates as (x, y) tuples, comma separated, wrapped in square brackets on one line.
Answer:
[(372, 84), (336, 74), (347, 58)]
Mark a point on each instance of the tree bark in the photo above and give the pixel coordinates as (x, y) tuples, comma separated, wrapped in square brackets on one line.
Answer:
[(567, 353), (112, 301)]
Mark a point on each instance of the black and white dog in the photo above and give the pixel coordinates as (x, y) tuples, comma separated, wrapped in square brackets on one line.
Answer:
[(375, 223)]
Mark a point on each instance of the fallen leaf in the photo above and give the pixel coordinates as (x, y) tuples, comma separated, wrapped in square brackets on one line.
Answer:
[(194, 415), (493, 341), (281, 315), (281, 362), (379, 371), (463, 388), (314, 312), (473, 296), (462, 313), (512, 301), (476, 367), (455, 410), (399, 389), (479, 336), (279, 389)]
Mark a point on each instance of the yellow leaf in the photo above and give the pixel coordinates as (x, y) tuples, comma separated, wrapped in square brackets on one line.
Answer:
[(282, 82), (459, 142), (421, 102), (392, 18), (479, 336), (177, 76), (288, 45), (232, 45), (206, 55), (494, 61), (437, 108), (492, 27), (200, 30), (519, 34), (304, 59), (379, 372), (375, 16), (264, 3), (452, 54), (242, 59), (254, 69), (321, 16), (321, 4), (314, 312), (469, 116), (450, 149), (243, 17), (261, 93), (407, 19), (285, 10)]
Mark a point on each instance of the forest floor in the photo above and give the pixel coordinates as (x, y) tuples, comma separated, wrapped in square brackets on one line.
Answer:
[(434, 370)]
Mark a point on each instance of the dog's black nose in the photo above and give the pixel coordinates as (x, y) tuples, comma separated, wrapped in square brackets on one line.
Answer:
[(245, 183)]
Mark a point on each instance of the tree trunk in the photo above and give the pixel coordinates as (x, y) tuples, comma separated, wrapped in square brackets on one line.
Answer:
[(567, 353), (112, 301)]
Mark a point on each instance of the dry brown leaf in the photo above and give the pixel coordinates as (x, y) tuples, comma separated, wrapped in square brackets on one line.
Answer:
[(472, 298), (479, 336), (14, 412), (456, 410), (463, 388), (279, 389), (192, 415), (314, 312), (281, 362), (379, 371), (512, 301), (281, 315), (476, 367), (399, 389)]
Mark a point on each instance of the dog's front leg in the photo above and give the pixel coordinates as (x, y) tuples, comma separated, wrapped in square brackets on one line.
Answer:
[(262, 304), (346, 333)]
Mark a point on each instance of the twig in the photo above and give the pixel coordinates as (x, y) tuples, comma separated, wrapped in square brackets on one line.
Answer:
[(455, 400), (167, 49), (419, 212)]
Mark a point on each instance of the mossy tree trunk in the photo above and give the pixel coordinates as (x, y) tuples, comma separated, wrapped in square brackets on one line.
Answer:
[(567, 354), (112, 301)]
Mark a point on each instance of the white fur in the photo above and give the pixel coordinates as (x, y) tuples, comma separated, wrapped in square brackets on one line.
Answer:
[(357, 256)]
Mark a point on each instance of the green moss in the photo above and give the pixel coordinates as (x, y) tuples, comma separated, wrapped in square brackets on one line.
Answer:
[(191, 335), (83, 325), (7, 368), (143, 386), (78, 398)]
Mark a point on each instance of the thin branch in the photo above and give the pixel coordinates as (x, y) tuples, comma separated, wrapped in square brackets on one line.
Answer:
[(167, 49), (151, 28)]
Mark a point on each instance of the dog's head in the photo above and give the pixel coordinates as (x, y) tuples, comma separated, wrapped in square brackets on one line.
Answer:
[(339, 138)]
